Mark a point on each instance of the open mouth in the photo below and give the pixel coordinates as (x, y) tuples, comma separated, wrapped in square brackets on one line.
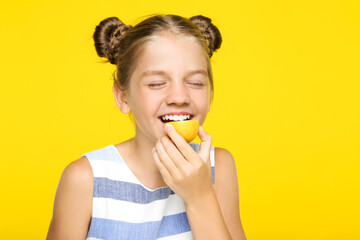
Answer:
[(172, 118)]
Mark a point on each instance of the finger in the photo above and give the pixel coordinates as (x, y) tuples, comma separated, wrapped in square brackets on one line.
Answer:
[(205, 144), (186, 150), (174, 153), (166, 160), (164, 172)]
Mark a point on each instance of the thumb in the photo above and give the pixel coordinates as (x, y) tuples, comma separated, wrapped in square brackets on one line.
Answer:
[(205, 145)]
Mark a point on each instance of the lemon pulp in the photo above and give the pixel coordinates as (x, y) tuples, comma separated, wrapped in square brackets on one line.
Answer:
[(187, 129)]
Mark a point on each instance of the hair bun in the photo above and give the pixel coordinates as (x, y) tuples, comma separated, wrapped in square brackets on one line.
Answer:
[(107, 37), (210, 32)]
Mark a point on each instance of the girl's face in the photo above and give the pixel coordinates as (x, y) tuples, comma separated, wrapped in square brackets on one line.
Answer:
[(170, 78)]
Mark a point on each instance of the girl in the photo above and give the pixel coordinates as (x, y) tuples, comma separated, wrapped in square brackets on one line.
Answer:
[(155, 185)]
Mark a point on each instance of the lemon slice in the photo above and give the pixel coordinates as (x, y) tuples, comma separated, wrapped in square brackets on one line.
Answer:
[(187, 129)]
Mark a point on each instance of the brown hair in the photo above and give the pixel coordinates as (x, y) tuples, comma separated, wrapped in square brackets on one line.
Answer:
[(121, 43)]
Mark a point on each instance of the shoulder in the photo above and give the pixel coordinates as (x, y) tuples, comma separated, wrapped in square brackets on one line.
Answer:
[(222, 153), (77, 178), (77, 175), (224, 161), (73, 201), (225, 172), (80, 168)]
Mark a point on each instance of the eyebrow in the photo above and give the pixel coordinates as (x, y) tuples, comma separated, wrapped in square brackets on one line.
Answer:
[(152, 73), (163, 73)]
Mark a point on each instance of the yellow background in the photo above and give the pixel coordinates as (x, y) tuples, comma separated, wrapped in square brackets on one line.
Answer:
[(286, 105)]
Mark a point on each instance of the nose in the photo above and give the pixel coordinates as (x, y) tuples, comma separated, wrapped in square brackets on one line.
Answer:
[(177, 94)]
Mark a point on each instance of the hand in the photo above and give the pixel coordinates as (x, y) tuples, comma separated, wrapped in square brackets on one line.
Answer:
[(186, 172)]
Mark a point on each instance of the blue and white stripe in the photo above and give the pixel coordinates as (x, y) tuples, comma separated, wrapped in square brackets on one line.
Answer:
[(123, 208)]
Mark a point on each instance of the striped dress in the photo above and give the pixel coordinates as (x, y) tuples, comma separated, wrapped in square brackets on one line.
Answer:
[(123, 208)]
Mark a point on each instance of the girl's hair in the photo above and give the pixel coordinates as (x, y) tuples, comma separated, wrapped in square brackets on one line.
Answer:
[(121, 44)]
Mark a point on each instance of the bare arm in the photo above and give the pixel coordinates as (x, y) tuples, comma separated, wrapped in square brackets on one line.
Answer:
[(73, 202), (216, 215), (227, 192), (189, 174)]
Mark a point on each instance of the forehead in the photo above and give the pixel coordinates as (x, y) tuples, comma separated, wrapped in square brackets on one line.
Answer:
[(171, 53)]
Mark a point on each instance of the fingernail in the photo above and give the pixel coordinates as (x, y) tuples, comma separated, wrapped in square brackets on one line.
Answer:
[(154, 150), (168, 127)]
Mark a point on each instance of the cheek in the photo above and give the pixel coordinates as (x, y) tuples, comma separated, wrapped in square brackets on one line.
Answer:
[(145, 102), (203, 97), (202, 102)]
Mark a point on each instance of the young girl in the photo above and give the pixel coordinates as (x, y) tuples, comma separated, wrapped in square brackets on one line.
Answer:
[(155, 185)]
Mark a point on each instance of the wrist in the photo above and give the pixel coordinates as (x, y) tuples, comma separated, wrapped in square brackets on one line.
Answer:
[(205, 217), (202, 201)]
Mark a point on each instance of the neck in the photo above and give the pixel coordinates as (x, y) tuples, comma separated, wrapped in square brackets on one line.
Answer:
[(141, 150)]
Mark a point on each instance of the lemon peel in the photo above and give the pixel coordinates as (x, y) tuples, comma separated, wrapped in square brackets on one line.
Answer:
[(187, 129)]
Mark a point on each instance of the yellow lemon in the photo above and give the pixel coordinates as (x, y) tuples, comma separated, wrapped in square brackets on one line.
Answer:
[(187, 129)]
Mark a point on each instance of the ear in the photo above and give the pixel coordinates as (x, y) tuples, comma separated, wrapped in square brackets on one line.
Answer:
[(121, 99)]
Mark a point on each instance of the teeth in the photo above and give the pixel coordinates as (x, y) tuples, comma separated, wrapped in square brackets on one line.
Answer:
[(175, 117)]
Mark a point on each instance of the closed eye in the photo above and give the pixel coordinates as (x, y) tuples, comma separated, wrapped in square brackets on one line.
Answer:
[(154, 85), (196, 84)]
